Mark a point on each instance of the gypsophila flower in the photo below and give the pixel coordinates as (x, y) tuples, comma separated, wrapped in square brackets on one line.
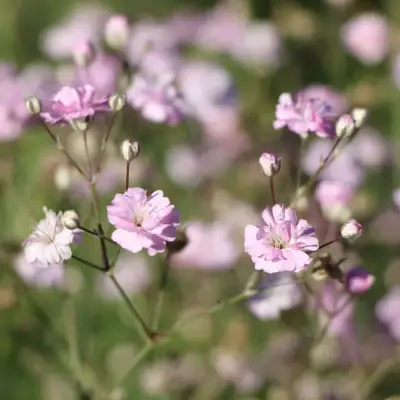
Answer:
[(270, 164), (304, 116), (281, 242), (358, 280), (50, 241), (74, 103), (142, 221), (156, 97), (351, 229)]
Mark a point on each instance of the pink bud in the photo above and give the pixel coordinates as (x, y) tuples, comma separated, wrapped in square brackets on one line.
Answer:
[(83, 53), (116, 31), (270, 164), (345, 126), (351, 229), (358, 280)]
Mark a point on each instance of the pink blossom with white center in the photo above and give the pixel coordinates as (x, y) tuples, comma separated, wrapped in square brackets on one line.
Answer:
[(132, 272), (388, 311), (71, 103), (304, 116), (39, 275), (281, 242), (366, 36), (50, 241), (358, 280), (156, 97), (142, 221), (211, 246)]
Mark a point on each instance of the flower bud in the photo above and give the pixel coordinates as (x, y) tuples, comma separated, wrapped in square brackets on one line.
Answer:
[(80, 125), (70, 219), (116, 31), (33, 105), (117, 102), (270, 164), (351, 229), (359, 116), (345, 126), (83, 53), (129, 150), (358, 280)]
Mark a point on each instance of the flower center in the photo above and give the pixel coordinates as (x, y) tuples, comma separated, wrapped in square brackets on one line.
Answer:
[(277, 242), (138, 220)]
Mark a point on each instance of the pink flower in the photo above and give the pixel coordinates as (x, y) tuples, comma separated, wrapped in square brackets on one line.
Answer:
[(358, 280), (70, 104), (211, 246), (303, 116), (333, 193), (366, 36), (338, 103), (281, 243), (156, 97), (50, 241), (143, 222), (388, 311)]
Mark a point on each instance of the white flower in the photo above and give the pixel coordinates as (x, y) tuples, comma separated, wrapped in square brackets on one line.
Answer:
[(50, 241)]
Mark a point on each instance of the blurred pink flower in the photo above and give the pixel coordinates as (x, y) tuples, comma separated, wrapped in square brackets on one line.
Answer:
[(116, 31), (132, 272), (156, 97), (38, 274), (143, 222), (366, 36), (396, 198), (49, 243), (396, 70), (332, 193), (279, 292), (83, 23), (184, 26), (337, 102), (148, 35), (159, 62), (210, 246), (388, 311), (335, 304), (70, 104), (358, 280), (102, 74), (281, 242), (303, 116)]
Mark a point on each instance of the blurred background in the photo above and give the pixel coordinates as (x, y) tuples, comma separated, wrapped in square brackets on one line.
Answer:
[(65, 334)]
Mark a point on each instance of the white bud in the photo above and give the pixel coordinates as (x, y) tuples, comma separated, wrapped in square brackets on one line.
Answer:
[(129, 150), (116, 32), (70, 219), (359, 116), (351, 230), (345, 126), (117, 102), (83, 53), (270, 164), (33, 105)]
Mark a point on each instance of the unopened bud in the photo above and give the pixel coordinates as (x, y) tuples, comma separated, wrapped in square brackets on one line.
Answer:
[(358, 280), (116, 32), (359, 116), (117, 102), (345, 126), (270, 164), (351, 230), (70, 219), (83, 53), (129, 150), (33, 105)]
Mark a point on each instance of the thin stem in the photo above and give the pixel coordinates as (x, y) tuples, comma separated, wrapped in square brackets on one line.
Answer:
[(299, 171), (127, 172), (161, 294), (57, 141), (272, 189), (329, 243), (103, 248), (146, 333), (95, 233), (104, 142), (88, 263), (87, 152)]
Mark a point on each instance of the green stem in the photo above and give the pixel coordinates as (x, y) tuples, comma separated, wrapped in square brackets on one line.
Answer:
[(127, 173), (145, 332), (95, 233), (88, 263), (272, 189), (87, 152)]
